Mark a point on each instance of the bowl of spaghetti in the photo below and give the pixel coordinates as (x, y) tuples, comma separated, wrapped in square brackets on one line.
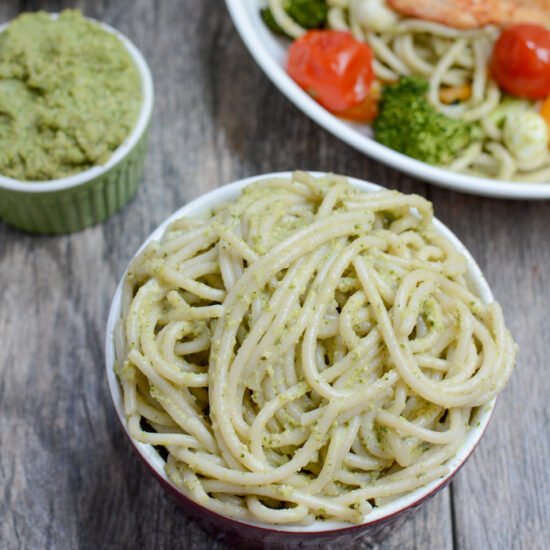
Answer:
[(463, 130), (301, 356)]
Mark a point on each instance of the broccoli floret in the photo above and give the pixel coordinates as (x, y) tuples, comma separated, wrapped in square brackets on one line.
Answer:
[(310, 14), (410, 125), (270, 22)]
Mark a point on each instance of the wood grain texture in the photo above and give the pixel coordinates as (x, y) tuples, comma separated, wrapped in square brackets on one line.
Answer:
[(68, 478)]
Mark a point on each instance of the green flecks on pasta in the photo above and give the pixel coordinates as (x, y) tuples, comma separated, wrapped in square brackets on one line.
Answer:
[(340, 365)]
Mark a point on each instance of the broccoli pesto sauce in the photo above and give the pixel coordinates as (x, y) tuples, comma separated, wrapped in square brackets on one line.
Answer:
[(69, 95)]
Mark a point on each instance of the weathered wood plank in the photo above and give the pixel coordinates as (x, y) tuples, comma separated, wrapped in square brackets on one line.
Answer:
[(501, 498), (68, 478)]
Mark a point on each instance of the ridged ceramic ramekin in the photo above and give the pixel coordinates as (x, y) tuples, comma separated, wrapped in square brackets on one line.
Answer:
[(73, 203)]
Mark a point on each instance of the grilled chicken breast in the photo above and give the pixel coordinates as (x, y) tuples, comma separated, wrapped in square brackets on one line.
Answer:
[(470, 14)]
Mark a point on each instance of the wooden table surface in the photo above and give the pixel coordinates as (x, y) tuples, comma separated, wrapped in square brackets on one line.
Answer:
[(68, 477)]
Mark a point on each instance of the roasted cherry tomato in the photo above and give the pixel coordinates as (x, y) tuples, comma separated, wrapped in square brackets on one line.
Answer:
[(367, 110), (333, 67), (521, 61)]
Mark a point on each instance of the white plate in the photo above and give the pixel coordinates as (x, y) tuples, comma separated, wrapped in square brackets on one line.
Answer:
[(270, 54)]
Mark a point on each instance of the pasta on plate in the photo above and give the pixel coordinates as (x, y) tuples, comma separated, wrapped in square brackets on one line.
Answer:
[(306, 351), (511, 138)]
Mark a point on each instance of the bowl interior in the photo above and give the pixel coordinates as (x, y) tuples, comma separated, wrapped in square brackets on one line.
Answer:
[(121, 151), (151, 456)]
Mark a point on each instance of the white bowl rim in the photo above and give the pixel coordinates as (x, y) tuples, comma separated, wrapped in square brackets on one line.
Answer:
[(240, 13), (121, 151), (152, 459)]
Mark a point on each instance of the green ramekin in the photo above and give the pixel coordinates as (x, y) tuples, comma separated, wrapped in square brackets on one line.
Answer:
[(73, 203)]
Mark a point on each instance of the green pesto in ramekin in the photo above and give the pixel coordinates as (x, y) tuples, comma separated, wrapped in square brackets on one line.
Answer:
[(70, 94), (92, 194)]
